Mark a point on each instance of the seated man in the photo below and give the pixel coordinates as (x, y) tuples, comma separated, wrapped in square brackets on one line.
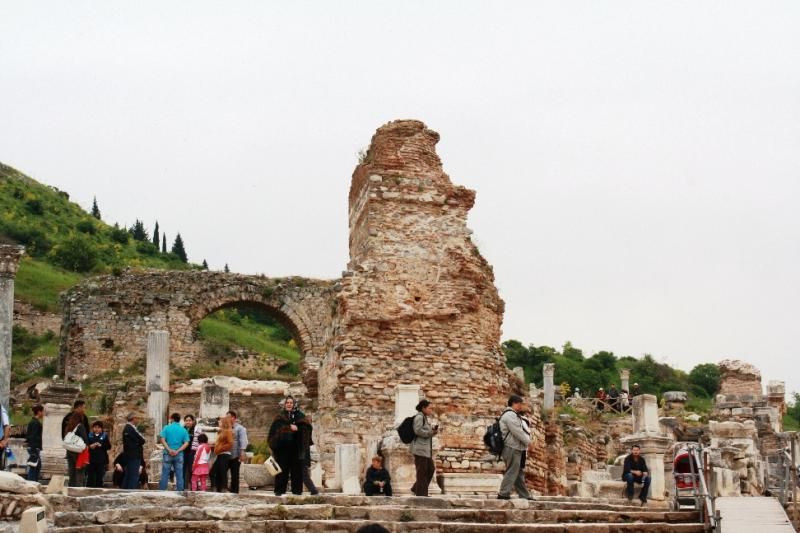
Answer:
[(635, 471), (377, 479)]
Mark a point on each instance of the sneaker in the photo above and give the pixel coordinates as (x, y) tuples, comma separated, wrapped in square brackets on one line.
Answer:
[(501, 497)]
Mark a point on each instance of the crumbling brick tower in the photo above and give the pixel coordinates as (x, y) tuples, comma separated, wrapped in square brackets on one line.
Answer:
[(417, 305)]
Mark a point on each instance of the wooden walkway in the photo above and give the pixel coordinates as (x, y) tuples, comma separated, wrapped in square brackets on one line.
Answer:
[(753, 515)]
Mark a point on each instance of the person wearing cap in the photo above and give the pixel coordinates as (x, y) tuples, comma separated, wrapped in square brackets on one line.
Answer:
[(635, 391), (600, 397)]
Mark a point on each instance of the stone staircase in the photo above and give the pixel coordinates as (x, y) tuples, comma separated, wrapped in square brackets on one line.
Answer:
[(97, 510)]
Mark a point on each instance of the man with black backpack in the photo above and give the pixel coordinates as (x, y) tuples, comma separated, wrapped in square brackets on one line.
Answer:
[(516, 439)]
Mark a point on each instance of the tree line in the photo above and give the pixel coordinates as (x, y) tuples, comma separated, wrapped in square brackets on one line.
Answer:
[(602, 368)]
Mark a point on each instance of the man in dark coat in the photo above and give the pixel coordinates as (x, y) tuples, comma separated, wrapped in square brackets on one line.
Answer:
[(635, 470), (133, 450)]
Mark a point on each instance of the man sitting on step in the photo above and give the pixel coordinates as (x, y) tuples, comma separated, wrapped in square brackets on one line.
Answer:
[(635, 471)]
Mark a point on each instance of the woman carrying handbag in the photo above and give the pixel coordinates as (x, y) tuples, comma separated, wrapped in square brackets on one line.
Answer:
[(77, 452)]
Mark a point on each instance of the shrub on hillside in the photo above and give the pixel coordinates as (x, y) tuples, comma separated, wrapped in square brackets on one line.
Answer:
[(86, 226), (34, 239), (76, 253), (146, 248), (119, 235)]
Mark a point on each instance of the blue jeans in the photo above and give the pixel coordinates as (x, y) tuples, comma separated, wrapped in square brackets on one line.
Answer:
[(33, 471), (131, 478), (630, 479), (169, 462)]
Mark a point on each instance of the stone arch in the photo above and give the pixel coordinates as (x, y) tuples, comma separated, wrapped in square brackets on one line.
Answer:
[(107, 319)]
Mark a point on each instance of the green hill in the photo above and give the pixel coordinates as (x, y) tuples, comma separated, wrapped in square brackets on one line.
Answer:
[(64, 244)]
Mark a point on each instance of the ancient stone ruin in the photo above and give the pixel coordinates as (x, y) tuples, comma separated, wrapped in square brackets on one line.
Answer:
[(415, 315)]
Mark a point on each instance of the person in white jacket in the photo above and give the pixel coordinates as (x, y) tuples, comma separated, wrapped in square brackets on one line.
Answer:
[(516, 439)]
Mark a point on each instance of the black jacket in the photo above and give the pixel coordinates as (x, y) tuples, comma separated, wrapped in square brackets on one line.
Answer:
[(280, 436), (99, 455), (374, 475), (630, 464), (132, 443), (33, 435)]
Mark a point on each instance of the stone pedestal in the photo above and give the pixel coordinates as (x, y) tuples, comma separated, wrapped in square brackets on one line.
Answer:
[(653, 448), (348, 468), (520, 373), (624, 379), (548, 371), (406, 398), (157, 378), (54, 457), (400, 464), (471, 484), (9, 261), (214, 400), (675, 400)]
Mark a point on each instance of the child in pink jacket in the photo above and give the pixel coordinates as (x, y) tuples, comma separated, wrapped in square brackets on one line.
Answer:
[(200, 466)]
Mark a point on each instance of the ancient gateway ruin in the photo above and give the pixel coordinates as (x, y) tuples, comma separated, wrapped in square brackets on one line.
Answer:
[(415, 314)]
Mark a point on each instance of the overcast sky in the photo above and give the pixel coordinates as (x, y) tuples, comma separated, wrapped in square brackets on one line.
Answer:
[(637, 163)]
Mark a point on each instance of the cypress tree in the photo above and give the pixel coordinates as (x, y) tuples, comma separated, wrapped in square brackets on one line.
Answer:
[(227, 270), (164, 243), (95, 209), (155, 236), (205, 265), (138, 232), (179, 250)]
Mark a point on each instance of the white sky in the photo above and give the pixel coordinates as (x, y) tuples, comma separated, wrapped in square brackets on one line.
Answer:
[(637, 163)]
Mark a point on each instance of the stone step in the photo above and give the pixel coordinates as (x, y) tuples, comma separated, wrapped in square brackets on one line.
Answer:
[(351, 526), (385, 513), (89, 499)]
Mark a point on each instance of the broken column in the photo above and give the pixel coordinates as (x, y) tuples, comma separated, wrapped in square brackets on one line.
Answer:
[(157, 378), (348, 468), (9, 262), (406, 398), (215, 400), (548, 371), (624, 379), (653, 443)]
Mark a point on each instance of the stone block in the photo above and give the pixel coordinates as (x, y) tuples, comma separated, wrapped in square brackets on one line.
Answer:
[(256, 476), (406, 398), (214, 400), (348, 467), (675, 396), (13, 483), (470, 483), (33, 520), (742, 411)]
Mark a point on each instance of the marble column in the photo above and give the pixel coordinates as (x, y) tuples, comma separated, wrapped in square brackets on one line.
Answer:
[(625, 378), (548, 371), (157, 378), (9, 262), (348, 468)]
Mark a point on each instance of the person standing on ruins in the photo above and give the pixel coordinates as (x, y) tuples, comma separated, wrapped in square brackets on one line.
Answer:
[(77, 472), (33, 440), (516, 439), (305, 434), (634, 470), (175, 439), (284, 441), (99, 444), (238, 453), (613, 397), (222, 449), (133, 451), (190, 423), (635, 391), (422, 448)]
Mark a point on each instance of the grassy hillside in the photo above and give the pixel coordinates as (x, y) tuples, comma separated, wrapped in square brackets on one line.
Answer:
[(59, 232), (64, 244)]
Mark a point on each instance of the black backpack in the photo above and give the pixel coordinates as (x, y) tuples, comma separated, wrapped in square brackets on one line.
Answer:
[(493, 438), (406, 430)]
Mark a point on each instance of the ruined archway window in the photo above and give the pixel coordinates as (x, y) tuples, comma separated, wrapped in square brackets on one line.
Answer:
[(247, 341)]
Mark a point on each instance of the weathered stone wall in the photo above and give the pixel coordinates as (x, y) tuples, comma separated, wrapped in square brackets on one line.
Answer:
[(36, 321), (417, 304), (739, 378), (107, 319)]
